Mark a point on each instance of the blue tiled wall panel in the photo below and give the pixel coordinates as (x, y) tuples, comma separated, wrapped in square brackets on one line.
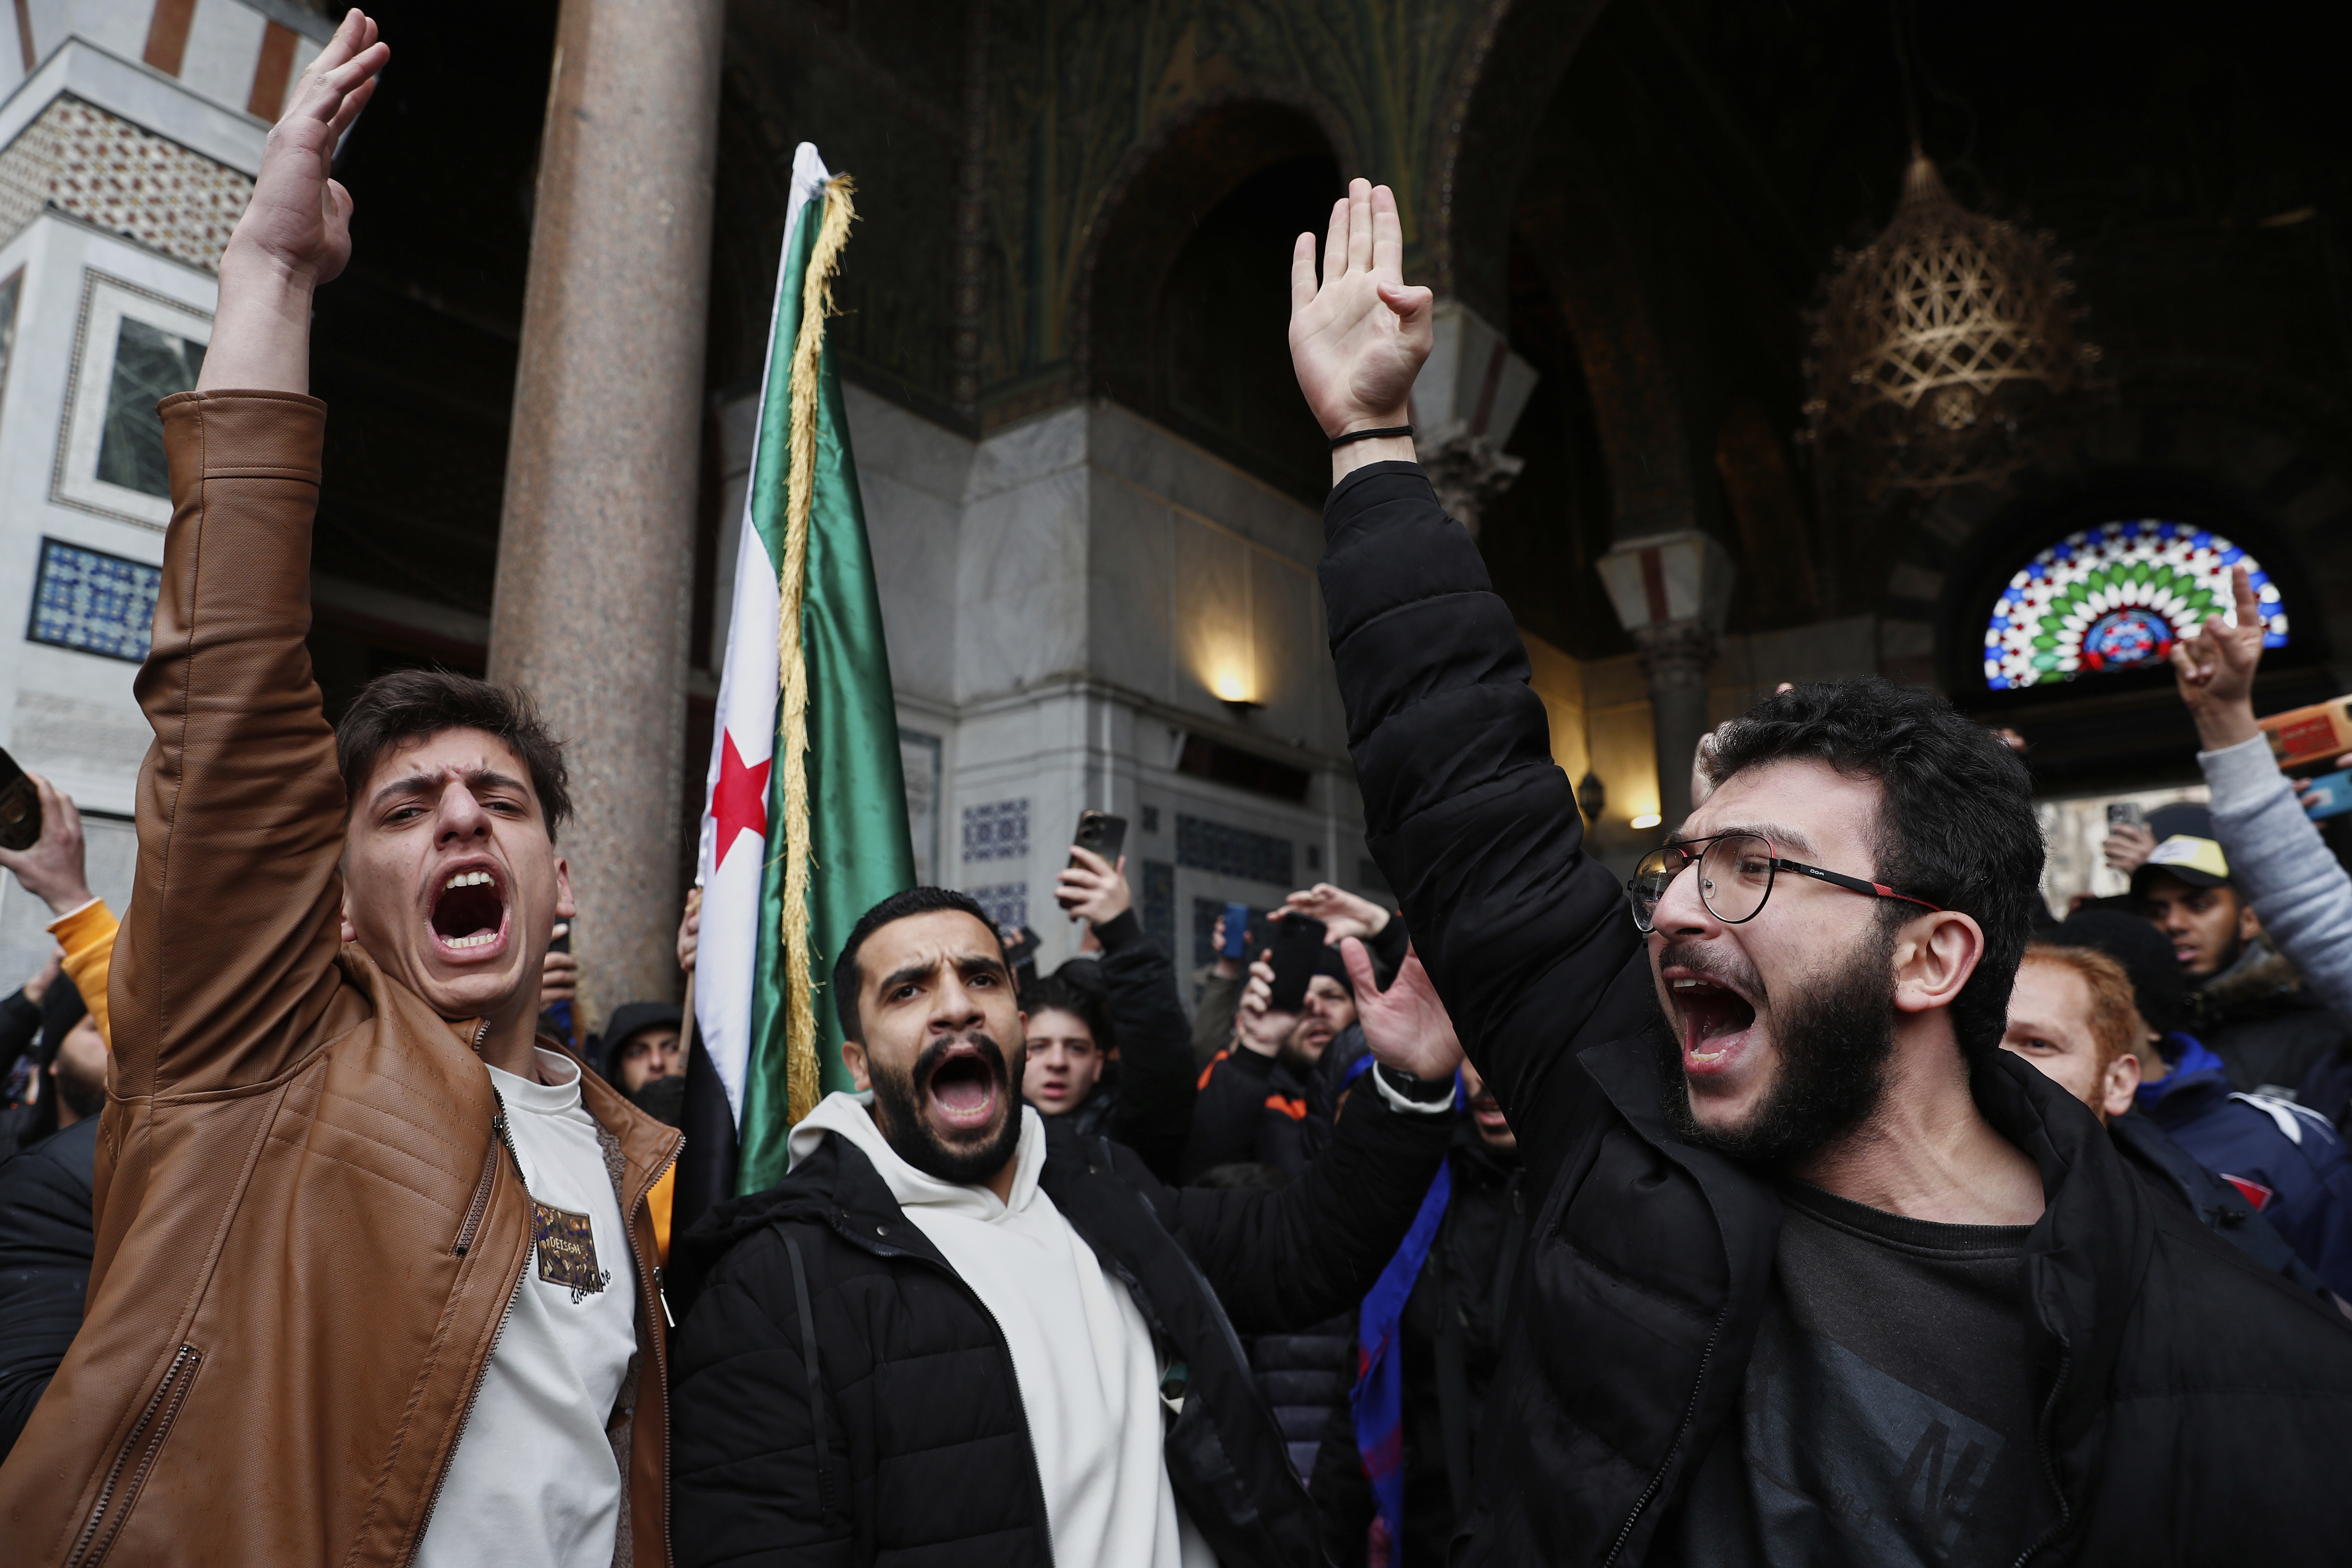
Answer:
[(998, 831), (1007, 903), (94, 603), (1231, 851)]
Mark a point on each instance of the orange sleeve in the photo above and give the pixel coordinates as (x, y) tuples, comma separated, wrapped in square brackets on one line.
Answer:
[(658, 1204), (87, 937)]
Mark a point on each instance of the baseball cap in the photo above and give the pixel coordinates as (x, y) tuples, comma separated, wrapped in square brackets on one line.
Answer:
[(2185, 848)]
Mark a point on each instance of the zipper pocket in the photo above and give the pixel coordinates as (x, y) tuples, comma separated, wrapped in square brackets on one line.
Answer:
[(137, 1458)]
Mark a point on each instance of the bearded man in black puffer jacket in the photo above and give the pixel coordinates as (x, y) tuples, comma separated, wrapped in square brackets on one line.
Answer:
[(1818, 1273), (945, 1337)]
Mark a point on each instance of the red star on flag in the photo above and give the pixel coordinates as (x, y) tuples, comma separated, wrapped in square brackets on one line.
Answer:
[(739, 802)]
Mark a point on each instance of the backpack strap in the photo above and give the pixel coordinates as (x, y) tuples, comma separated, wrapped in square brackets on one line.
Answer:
[(828, 1501)]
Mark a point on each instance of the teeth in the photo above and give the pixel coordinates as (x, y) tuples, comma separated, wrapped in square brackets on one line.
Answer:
[(1685, 985), (479, 938), (467, 880)]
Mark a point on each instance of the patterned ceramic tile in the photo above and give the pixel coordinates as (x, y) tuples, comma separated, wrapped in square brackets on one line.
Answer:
[(113, 174), (998, 831), (1007, 903), (1232, 851), (94, 603)]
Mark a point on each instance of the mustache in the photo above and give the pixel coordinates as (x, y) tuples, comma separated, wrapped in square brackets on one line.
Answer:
[(1710, 963)]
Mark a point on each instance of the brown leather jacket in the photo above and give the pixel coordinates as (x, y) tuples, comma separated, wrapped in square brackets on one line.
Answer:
[(307, 1233)]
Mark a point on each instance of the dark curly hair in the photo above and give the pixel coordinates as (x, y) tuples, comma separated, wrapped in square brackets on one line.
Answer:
[(1058, 994), (416, 704), (898, 906), (1956, 826)]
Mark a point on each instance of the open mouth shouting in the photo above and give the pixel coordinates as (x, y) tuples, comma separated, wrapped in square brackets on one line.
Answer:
[(963, 1085), (1714, 1020), (469, 916)]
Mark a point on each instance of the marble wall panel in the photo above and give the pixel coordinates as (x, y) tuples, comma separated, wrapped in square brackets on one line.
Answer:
[(1130, 568), (1021, 585), (1190, 477), (1212, 627), (1295, 669)]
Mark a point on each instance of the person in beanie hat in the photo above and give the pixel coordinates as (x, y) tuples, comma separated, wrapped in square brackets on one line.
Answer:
[(2246, 1002), (642, 1053), (2285, 1160), (1258, 1102)]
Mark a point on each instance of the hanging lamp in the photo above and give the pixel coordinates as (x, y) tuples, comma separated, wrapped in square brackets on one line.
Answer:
[(1939, 346)]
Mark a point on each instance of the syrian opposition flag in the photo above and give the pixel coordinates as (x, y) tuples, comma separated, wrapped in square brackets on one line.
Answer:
[(805, 819)]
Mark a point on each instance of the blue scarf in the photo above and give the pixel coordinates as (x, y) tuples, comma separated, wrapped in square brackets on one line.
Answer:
[(1377, 1401)]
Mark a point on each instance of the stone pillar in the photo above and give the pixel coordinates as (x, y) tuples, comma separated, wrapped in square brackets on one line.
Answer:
[(1675, 656), (596, 545), (1672, 591), (1466, 400)]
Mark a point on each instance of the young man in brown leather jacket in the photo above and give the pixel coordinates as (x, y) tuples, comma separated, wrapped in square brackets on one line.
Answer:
[(375, 1277)]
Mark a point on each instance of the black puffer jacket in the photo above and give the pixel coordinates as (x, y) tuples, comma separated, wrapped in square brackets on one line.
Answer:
[(47, 1237), (1145, 1101), (2193, 1407), (926, 1449)]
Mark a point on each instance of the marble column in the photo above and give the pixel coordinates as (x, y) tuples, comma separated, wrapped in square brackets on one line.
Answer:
[(596, 545), (1675, 656)]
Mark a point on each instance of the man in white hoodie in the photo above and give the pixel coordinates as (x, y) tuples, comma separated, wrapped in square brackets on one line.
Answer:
[(945, 1333)]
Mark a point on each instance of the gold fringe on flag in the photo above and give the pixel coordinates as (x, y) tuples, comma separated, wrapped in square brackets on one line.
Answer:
[(801, 1080)]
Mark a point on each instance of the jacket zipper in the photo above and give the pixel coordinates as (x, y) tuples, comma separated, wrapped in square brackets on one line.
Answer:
[(497, 1127), (145, 1439), (1029, 1438), (2050, 1465), (1658, 1476)]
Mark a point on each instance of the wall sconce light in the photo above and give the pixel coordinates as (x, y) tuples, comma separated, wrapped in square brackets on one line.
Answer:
[(1230, 682), (1647, 820), (1591, 795)]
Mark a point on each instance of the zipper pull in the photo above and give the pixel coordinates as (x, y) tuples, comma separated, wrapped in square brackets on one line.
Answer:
[(668, 1320)]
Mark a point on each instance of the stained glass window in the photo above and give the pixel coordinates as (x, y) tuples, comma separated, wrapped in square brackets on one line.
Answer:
[(2117, 597)]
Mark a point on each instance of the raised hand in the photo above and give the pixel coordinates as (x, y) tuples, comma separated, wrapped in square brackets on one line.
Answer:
[(1256, 1025), (1406, 1026), (296, 233), (2215, 670), (1358, 339), (1342, 912), (1093, 886)]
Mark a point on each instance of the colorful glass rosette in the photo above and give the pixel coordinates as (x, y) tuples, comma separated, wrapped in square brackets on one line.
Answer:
[(2117, 597)]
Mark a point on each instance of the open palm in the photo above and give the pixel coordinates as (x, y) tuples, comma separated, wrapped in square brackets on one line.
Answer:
[(1406, 1026), (299, 218), (1358, 337)]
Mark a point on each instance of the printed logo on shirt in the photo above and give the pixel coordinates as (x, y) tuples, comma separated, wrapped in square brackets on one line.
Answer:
[(566, 1244)]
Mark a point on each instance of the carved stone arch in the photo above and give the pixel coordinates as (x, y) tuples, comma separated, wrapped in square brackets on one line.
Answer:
[(1206, 211), (1185, 164), (1508, 78)]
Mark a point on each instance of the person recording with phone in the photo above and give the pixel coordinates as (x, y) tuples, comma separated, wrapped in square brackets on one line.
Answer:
[(1110, 1056), (1262, 1101)]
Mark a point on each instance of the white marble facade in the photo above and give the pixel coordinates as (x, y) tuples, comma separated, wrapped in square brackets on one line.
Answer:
[(1066, 602)]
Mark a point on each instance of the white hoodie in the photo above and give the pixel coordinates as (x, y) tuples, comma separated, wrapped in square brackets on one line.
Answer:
[(1082, 1354)]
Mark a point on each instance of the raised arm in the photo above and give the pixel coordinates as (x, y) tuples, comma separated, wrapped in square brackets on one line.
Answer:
[(1525, 935), (227, 954), (2276, 856)]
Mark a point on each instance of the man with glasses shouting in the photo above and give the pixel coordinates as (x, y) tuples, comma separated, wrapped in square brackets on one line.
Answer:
[(1820, 1274)]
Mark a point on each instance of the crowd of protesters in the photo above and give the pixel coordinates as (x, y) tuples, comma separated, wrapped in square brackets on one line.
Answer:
[(1817, 1196)]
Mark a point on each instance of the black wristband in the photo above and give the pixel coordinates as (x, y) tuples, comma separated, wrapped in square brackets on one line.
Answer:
[(1342, 439), (1424, 1090)]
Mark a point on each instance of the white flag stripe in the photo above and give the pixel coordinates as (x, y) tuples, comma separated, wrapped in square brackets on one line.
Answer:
[(727, 954)]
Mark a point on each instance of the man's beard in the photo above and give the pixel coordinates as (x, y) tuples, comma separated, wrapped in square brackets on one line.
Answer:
[(1834, 1041), (898, 1113)]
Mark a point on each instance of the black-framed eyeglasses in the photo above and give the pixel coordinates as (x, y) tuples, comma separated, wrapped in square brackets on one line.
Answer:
[(1734, 876)]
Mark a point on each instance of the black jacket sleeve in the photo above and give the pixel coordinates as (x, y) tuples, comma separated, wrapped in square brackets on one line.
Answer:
[(46, 1242), (1154, 1115), (1289, 1259), (1525, 936), (1229, 1102), (743, 1473), (20, 1021)]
